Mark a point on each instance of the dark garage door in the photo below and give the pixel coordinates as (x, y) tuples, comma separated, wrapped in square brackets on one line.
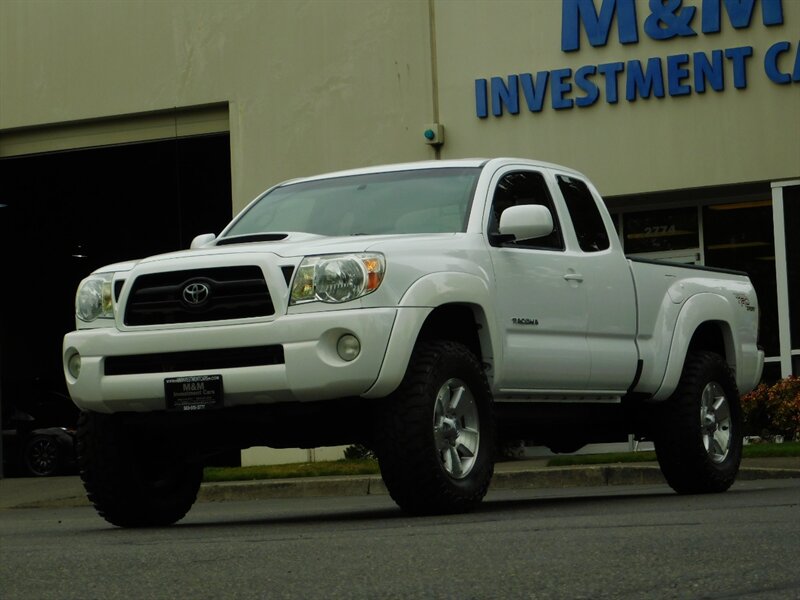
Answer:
[(63, 214)]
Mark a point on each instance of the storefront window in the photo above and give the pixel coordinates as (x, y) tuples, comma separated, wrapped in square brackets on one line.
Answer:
[(740, 236), (660, 230), (771, 373), (791, 219)]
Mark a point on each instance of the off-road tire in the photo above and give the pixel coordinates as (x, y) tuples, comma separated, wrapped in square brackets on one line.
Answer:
[(130, 482), (412, 464), (690, 463)]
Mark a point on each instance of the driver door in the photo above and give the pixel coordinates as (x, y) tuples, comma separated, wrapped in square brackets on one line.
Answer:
[(541, 310)]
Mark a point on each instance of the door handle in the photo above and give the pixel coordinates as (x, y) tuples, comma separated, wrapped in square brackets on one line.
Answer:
[(573, 277)]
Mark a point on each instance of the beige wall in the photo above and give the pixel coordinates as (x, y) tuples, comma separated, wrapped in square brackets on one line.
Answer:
[(281, 456), (311, 85), (654, 144), (327, 84)]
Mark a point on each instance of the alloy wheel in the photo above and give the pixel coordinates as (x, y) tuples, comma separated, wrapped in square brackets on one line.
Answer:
[(715, 422), (456, 428)]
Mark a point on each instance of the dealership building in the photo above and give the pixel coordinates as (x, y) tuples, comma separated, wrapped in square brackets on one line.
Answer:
[(127, 128)]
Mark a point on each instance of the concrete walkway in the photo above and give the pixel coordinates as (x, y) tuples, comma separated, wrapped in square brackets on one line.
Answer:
[(54, 492)]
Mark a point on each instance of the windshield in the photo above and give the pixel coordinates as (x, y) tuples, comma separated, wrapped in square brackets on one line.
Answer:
[(421, 201)]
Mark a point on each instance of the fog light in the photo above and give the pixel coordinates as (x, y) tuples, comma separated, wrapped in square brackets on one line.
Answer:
[(348, 347), (74, 365)]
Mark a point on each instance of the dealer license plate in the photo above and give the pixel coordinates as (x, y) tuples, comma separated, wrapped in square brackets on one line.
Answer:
[(198, 392)]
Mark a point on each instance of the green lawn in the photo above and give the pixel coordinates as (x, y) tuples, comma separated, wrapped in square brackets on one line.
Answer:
[(370, 467), (310, 469), (749, 451)]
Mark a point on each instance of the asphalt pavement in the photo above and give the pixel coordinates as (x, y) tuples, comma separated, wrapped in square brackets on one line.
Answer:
[(58, 492)]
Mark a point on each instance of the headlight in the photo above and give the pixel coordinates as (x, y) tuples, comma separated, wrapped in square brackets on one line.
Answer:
[(94, 299), (337, 278)]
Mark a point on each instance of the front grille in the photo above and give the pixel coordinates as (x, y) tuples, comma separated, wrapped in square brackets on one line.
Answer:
[(194, 360), (219, 294)]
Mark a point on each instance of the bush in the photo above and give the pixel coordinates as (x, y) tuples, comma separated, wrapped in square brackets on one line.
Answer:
[(754, 411), (784, 398), (358, 452), (773, 410)]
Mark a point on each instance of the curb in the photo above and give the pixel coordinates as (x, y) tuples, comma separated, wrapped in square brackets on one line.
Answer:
[(753, 473), (593, 476), (264, 489), (553, 477), (368, 485)]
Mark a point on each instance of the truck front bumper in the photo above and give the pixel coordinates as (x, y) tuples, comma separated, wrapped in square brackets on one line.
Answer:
[(304, 365)]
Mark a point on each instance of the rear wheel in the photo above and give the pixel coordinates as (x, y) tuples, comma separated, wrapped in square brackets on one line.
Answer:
[(699, 437), (436, 442), (133, 483)]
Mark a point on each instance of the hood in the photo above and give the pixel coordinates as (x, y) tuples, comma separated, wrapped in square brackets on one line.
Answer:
[(295, 245)]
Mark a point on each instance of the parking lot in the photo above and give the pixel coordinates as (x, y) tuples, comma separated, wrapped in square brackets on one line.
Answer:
[(635, 541)]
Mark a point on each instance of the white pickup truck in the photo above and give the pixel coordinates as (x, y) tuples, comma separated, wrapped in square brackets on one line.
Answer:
[(430, 311)]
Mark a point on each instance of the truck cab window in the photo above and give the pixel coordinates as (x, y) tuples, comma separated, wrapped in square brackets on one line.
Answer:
[(589, 226), (518, 188)]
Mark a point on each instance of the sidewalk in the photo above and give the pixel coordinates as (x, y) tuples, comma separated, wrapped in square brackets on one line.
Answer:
[(58, 492)]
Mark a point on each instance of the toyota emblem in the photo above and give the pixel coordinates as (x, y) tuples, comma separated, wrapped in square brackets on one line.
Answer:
[(196, 293)]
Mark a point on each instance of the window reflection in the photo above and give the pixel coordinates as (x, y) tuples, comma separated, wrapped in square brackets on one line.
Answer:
[(791, 219), (660, 230), (740, 236)]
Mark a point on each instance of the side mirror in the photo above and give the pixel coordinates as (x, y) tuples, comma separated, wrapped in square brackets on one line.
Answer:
[(202, 239), (526, 221)]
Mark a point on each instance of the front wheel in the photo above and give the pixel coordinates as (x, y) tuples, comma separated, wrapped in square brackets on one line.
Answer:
[(436, 433), (134, 482), (699, 437)]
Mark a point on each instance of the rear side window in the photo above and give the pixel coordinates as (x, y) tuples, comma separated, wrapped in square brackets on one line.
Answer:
[(586, 217)]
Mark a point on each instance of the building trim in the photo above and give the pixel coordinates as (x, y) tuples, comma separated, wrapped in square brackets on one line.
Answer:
[(109, 131), (781, 280)]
